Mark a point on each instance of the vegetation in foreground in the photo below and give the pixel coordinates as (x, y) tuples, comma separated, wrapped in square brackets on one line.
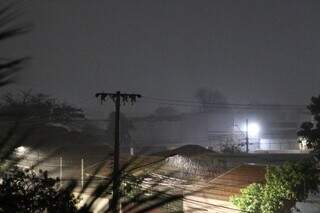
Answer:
[(27, 191), (285, 185)]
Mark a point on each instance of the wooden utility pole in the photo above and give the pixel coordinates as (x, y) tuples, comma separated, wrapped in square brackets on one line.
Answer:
[(116, 175)]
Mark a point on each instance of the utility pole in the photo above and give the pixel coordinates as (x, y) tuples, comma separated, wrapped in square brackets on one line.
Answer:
[(247, 136), (116, 175)]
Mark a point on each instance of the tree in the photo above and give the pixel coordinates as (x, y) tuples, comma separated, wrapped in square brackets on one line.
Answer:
[(26, 191), (39, 108), (207, 98), (284, 186), (310, 131), (47, 121), (126, 126)]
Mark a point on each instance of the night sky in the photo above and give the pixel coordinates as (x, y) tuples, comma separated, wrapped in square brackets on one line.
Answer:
[(252, 51)]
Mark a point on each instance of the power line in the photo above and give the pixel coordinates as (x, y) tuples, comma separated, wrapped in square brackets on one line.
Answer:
[(190, 103), (197, 106), (221, 104)]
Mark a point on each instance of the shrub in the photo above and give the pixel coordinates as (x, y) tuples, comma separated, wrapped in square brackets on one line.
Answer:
[(250, 199), (26, 191), (285, 185)]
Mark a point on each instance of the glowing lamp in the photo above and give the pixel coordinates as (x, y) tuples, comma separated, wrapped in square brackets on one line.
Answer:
[(253, 129)]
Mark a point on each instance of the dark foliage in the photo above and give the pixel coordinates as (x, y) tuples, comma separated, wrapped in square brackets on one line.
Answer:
[(310, 131), (285, 185), (39, 108), (26, 191), (210, 100)]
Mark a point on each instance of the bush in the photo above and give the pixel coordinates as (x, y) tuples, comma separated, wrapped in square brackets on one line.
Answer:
[(285, 185), (250, 199), (26, 191)]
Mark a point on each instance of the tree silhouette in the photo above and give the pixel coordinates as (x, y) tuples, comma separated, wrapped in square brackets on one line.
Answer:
[(207, 98), (310, 131), (27, 191), (39, 108)]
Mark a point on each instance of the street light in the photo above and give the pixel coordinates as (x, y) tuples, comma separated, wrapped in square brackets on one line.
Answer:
[(253, 130)]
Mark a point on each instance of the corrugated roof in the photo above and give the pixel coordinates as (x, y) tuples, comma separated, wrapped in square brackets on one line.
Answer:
[(230, 183)]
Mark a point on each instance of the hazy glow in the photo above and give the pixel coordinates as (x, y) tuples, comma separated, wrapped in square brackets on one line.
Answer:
[(21, 150), (253, 129)]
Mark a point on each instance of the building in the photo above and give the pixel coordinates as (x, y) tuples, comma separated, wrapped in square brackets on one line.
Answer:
[(268, 129)]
